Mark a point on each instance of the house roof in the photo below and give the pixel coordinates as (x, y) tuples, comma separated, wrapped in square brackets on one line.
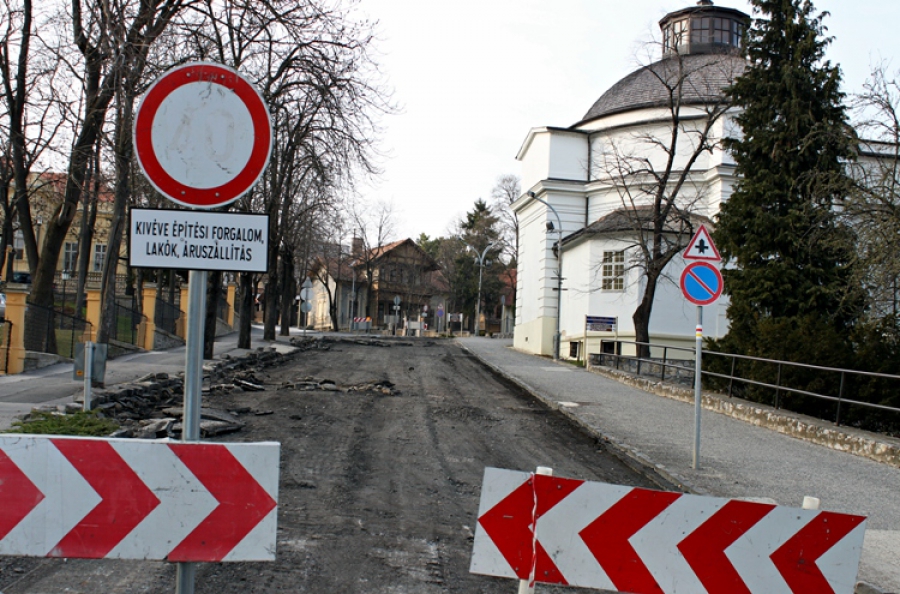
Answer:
[(628, 220), (381, 251), (705, 77), (57, 183)]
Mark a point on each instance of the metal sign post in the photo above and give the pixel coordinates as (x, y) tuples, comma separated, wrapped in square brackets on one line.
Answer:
[(698, 398), (202, 136), (88, 374), (701, 284)]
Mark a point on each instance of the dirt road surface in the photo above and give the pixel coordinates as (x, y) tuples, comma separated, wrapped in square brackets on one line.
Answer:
[(379, 492)]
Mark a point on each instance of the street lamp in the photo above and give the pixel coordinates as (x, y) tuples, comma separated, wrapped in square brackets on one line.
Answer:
[(480, 260), (556, 337)]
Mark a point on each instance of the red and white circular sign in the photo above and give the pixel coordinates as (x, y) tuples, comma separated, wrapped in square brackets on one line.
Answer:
[(202, 135)]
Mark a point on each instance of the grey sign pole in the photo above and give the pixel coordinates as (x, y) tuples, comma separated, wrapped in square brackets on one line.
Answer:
[(698, 368), (193, 389)]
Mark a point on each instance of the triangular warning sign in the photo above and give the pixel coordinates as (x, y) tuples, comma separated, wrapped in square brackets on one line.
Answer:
[(702, 247)]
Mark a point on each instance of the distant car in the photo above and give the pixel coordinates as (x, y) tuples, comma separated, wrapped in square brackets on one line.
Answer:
[(21, 277), (2, 306)]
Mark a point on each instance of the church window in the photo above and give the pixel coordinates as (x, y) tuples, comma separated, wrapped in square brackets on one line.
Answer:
[(613, 271)]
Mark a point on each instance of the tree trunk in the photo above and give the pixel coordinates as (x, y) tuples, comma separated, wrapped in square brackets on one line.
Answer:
[(86, 234), (641, 316), (246, 309), (124, 153), (213, 292), (289, 290)]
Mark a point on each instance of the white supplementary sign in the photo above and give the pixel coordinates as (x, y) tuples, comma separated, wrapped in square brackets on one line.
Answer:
[(138, 499), (594, 535), (198, 240)]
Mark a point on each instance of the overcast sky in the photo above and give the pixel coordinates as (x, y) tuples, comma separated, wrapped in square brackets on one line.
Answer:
[(473, 76)]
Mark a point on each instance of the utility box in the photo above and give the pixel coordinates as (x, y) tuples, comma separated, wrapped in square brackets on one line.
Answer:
[(98, 369)]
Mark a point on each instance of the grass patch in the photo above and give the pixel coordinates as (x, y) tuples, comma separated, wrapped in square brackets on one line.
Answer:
[(81, 423)]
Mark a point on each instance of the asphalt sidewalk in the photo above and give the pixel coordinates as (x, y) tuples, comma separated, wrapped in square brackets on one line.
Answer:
[(55, 385), (737, 459)]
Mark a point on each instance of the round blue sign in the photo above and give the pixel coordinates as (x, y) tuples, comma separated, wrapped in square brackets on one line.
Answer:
[(701, 283)]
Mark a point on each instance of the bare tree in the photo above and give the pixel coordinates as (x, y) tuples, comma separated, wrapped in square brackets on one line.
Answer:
[(149, 23), (506, 191), (651, 170), (312, 66), (374, 227), (873, 210), (113, 42), (27, 120)]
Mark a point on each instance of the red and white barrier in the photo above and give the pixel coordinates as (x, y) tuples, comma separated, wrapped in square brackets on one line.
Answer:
[(594, 535), (137, 499)]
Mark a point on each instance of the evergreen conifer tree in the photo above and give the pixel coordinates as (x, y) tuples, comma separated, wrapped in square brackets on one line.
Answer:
[(789, 254)]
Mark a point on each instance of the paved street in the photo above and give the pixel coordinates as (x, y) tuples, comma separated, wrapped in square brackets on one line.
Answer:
[(737, 459)]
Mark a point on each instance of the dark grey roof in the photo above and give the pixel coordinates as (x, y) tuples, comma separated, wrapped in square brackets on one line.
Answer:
[(704, 75), (630, 220)]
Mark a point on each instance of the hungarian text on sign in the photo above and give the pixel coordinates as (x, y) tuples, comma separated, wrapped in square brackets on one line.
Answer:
[(198, 240)]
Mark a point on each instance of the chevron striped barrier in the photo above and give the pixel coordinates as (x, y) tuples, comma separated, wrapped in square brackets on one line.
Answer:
[(137, 499), (594, 535)]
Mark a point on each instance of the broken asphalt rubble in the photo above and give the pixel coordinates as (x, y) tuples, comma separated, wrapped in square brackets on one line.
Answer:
[(151, 407)]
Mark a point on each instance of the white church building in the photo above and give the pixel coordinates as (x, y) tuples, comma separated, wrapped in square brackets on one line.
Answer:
[(592, 188)]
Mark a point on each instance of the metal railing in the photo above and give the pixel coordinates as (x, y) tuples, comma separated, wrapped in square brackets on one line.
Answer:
[(50, 331), (167, 316), (222, 308), (126, 321), (782, 374)]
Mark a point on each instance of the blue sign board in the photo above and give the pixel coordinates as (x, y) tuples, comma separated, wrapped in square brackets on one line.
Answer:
[(600, 324), (701, 283)]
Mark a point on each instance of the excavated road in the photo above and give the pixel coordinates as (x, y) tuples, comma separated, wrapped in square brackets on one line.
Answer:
[(379, 488)]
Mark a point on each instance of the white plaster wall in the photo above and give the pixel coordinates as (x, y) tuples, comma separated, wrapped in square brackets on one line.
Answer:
[(672, 320), (535, 158), (551, 155), (536, 297), (568, 156)]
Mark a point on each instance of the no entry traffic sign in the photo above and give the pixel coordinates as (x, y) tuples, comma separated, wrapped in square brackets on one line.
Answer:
[(202, 135), (701, 283)]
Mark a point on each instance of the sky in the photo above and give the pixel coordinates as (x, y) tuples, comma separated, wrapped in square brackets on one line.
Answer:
[(472, 77)]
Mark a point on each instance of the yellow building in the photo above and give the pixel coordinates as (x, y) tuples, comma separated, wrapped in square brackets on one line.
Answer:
[(46, 192)]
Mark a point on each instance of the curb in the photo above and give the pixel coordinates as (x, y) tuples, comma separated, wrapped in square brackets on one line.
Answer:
[(629, 456), (820, 432)]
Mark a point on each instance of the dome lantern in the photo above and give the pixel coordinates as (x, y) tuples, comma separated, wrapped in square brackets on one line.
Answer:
[(703, 29)]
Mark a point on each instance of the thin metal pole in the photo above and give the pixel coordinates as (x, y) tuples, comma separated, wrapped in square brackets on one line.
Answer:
[(88, 374), (558, 336), (837, 420), (478, 303), (193, 389), (698, 368)]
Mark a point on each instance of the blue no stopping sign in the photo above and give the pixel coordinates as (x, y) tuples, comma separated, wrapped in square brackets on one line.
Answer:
[(701, 283)]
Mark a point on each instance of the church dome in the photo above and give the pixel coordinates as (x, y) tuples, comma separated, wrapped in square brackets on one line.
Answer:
[(701, 45)]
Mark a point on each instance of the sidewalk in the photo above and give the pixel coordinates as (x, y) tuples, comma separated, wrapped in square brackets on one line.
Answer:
[(736, 459), (55, 384)]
